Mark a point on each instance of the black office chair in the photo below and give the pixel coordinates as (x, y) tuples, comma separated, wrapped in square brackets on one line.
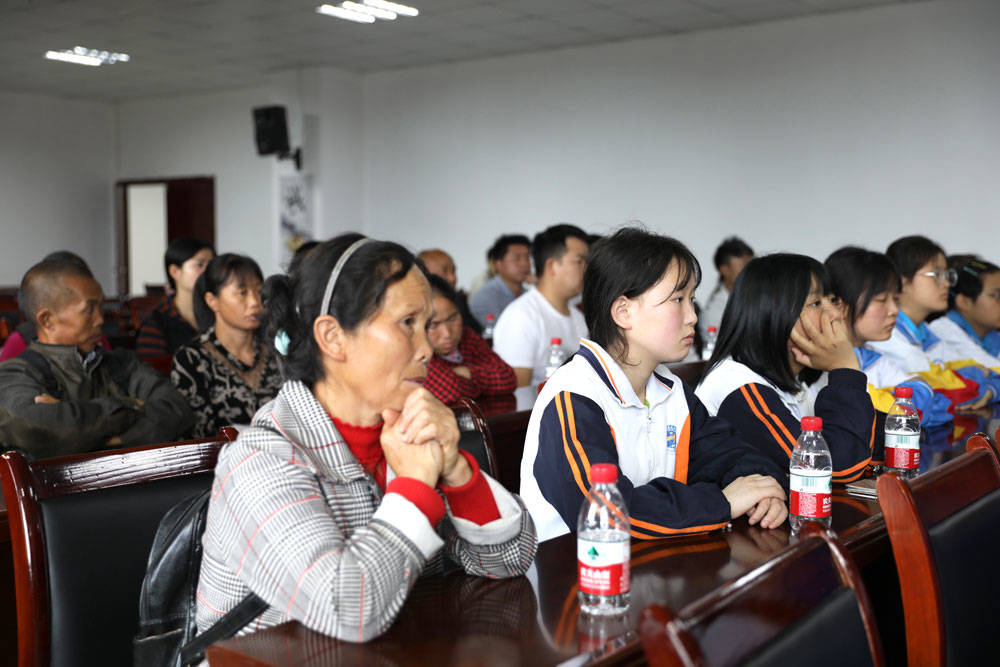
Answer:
[(81, 529), (475, 435), (806, 606)]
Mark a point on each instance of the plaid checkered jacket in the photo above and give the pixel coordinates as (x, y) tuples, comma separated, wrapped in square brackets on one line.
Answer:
[(295, 518)]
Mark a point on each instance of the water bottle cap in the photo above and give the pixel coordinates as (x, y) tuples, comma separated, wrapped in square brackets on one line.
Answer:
[(604, 473), (556, 341), (489, 317), (812, 423), (903, 392), (712, 330)]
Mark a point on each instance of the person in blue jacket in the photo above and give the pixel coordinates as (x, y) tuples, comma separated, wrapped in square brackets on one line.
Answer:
[(867, 284), (682, 471), (779, 332)]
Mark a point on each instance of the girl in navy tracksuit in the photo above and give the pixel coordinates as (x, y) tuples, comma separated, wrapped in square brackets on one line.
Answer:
[(682, 471), (779, 330)]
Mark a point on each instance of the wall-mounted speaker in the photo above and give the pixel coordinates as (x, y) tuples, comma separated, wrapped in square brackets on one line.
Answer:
[(271, 130)]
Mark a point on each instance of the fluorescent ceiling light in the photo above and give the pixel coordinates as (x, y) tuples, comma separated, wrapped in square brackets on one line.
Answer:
[(348, 14), (365, 9), (394, 7), (70, 57), (81, 55)]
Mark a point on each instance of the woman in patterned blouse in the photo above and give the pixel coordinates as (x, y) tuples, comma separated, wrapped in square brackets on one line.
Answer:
[(463, 364), (227, 372), (332, 503)]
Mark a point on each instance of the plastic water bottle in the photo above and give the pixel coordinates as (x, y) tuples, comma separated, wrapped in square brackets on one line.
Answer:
[(603, 545), (902, 435), (709, 346), (811, 476), (488, 329), (555, 358)]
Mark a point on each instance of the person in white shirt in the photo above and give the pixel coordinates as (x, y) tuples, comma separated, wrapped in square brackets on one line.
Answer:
[(526, 327), (730, 258)]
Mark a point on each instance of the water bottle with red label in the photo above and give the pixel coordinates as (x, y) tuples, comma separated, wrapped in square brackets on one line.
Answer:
[(810, 476), (902, 435), (603, 545)]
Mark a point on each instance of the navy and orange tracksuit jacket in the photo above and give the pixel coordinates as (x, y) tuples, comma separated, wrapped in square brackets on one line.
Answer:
[(674, 458), (768, 418)]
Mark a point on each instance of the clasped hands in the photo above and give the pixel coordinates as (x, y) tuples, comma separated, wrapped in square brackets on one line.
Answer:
[(421, 441)]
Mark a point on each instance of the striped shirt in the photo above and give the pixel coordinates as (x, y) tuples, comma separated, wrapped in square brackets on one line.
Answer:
[(295, 518)]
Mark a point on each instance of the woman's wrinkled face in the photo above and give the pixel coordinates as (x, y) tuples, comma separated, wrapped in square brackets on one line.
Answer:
[(445, 329), (385, 357), (878, 320)]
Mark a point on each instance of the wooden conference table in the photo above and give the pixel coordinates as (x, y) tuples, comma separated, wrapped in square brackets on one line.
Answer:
[(456, 619)]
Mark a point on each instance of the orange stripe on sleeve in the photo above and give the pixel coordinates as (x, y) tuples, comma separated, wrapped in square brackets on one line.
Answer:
[(572, 434), (683, 452), (569, 454), (663, 530), (767, 424), (780, 424)]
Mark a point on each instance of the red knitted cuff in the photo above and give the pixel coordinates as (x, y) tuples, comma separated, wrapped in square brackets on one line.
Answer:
[(424, 497), (473, 500)]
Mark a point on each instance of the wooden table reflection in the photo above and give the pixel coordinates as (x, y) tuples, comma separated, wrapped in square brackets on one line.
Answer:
[(456, 619)]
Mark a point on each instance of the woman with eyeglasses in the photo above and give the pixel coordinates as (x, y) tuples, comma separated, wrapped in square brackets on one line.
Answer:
[(463, 364), (926, 278), (973, 318), (350, 485)]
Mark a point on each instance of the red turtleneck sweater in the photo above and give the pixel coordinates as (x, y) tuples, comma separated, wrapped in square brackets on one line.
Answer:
[(472, 501)]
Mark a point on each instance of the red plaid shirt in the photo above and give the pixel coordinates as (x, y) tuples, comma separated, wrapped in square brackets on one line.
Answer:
[(490, 375)]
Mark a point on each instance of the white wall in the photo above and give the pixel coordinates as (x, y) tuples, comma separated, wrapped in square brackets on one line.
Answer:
[(803, 135), (208, 135), (56, 171)]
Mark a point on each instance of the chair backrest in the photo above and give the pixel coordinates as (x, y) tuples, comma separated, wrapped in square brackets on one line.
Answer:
[(689, 371), (944, 539), (161, 362), (475, 435), (140, 306), (81, 529), (507, 432), (806, 606)]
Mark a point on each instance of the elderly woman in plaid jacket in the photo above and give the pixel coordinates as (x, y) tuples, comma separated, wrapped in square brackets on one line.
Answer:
[(349, 485)]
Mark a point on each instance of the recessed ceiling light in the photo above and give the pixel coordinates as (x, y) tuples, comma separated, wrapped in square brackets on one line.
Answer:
[(377, 12), (348, 14), (394, 7), (81, 55)]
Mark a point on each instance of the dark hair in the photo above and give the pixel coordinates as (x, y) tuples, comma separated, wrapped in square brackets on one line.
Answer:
[(764, 305), (551, 243), (222, 269), (730, 247), (42, 285), (970, 269), (912, 252), (181, 250), (500, 247), (856, 276), (293, 301), (304, 249), (628, 263), (441, 287)]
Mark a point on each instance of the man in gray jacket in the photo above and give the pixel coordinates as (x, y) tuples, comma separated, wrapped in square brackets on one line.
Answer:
[(65, 394)]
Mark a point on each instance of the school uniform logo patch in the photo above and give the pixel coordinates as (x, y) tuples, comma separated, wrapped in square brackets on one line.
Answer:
[(671, 437)]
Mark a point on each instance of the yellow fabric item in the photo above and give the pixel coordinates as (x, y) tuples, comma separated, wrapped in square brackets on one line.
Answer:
[(939, 377), (882, 399)]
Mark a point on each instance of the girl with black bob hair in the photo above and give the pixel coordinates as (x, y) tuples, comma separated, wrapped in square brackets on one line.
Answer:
[(866, 285), (331, 504), (681, 470), (973, 318), (228, 371), (173, 323), (778, 332)]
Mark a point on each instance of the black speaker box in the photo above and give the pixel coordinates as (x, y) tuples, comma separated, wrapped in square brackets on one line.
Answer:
[(270, 130)]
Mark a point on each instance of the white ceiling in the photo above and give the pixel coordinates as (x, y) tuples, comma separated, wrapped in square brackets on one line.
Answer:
[(191, 45)]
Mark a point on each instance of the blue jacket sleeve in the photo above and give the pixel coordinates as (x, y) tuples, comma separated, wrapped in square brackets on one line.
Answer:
[(844, 405), (574, 434), (986, 378)]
